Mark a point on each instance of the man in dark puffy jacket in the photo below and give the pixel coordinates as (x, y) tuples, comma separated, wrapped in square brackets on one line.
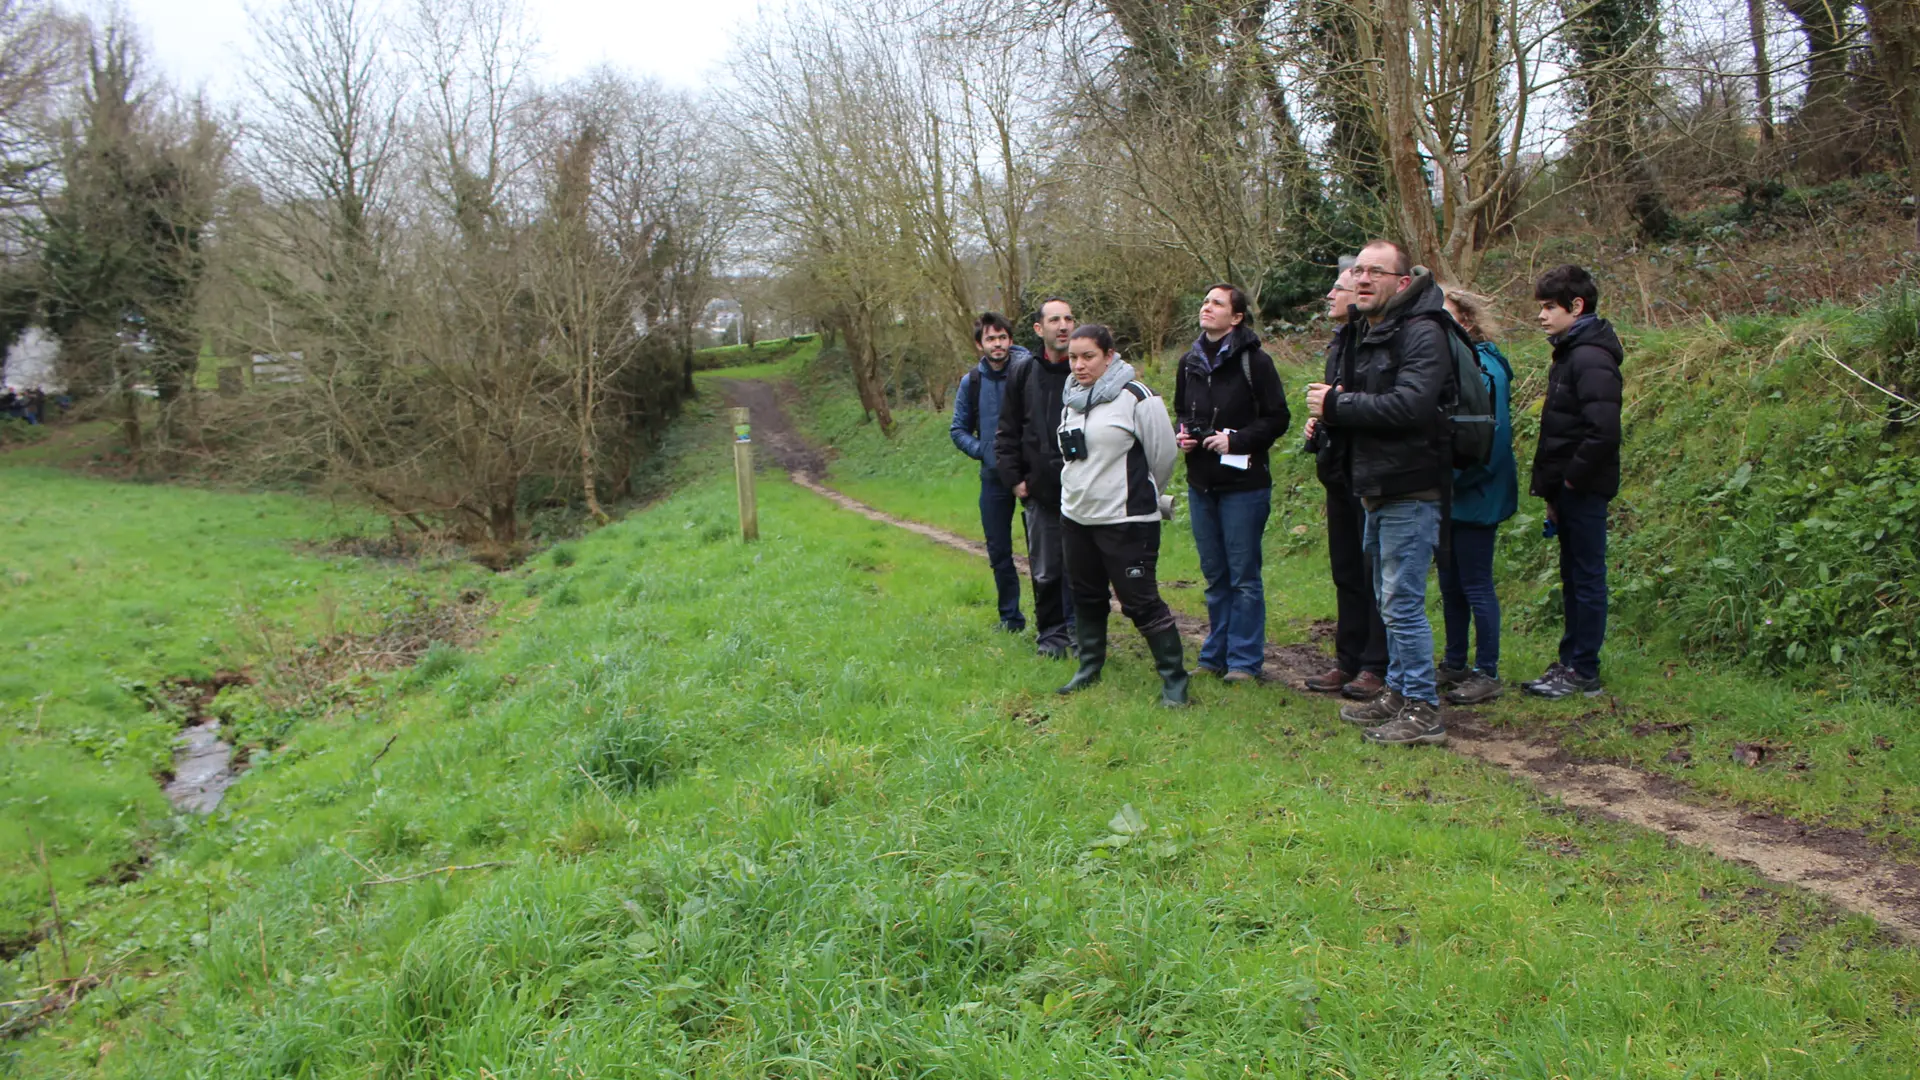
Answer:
[(1399, 462), (1231, 408), (976, 420), (1359, 639), (1576, 468), (1026, 454)]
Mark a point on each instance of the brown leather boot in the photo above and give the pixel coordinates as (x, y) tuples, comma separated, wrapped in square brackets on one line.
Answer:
[(1365, 687), (1332, 680)]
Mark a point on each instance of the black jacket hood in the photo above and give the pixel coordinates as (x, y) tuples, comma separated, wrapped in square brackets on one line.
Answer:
[(1597, 332), (1421, 296)]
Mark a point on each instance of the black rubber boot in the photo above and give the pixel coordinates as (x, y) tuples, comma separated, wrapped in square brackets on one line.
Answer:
[(1169, 660), (1090, 645)]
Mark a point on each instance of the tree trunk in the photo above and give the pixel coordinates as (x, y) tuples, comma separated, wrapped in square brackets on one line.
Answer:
[(1413, 196), (1762, 74), (503, 524), (1895, 26), (130, 423), (588, 465), (1820, 125)]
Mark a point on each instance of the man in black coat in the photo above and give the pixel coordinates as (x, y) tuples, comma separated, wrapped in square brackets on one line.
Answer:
[(1576, 468), (1399, 462), (1359, 639), (1027, 457)]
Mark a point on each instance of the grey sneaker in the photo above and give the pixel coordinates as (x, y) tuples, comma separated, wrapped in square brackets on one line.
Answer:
[(1566, 684), (1476, 689), (1053, 650), (1554, 671), (1449, 677), (1378, 711), (1418, 723), (1238, 676)]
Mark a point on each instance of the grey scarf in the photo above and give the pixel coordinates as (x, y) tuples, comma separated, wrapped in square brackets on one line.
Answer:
[(1104, 389)]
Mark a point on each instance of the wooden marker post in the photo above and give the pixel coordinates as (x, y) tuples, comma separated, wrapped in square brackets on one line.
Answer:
[(743, 474)]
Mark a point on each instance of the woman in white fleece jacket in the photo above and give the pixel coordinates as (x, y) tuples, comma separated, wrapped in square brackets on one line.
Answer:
[(1119, 451)]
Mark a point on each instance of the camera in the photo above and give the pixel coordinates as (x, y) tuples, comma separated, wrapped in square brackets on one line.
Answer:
[(1073, 443), (1200, 432)]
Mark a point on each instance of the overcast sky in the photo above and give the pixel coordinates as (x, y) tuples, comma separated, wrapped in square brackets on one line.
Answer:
[(196, 42)]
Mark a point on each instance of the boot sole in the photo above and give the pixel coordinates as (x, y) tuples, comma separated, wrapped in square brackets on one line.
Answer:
[(1495, 696), (1438, 739)]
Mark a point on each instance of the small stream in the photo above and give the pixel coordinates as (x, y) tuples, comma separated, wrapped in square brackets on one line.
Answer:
[(202, 768)]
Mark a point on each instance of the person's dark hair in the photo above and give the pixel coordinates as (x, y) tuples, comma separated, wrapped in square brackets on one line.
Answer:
[(990, 320), (1564, 284), (1098, 334), (1041, 310), (1403, 265), (1236, 299)]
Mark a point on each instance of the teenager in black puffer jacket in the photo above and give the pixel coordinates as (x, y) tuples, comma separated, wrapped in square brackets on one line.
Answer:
[(1576, 468)]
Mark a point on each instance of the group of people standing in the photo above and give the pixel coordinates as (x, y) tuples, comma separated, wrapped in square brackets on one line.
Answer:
[(1074, 440)]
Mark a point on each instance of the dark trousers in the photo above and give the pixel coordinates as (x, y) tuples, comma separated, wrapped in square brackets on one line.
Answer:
[(997, 505), (1125, 558), (1583, 579), (1468, 599), (1359, 637), (1046, 562)]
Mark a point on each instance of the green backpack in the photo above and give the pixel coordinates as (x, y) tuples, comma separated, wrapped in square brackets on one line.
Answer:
[(1471, 422)]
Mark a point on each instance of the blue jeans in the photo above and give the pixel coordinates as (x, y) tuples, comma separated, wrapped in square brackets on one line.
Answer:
[(1467, 596), (1226, 528), (1400, 540), (997, 507), (1583, 579)]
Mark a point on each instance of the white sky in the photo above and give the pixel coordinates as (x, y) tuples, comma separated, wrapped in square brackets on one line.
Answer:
[(199, 43)]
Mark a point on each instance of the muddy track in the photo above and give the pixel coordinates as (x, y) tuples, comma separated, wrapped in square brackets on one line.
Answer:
[(1843, 867)]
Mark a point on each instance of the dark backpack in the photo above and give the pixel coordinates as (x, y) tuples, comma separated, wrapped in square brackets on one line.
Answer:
[(1471, 423)]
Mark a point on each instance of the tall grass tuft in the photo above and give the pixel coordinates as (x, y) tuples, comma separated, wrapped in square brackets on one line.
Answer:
[(628, 752)]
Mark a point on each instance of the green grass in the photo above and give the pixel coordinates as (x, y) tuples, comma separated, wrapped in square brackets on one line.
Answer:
[(792, 809), (1840, 747), (782, 353), (106, 591)]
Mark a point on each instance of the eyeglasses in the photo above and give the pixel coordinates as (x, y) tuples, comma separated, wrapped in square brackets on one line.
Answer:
[(1374, 272)]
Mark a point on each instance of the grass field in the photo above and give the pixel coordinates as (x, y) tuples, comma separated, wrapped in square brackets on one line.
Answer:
[(792, 809), (107, 591)]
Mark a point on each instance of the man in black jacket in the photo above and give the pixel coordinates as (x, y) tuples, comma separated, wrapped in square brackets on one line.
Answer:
[(1231, 408), (1576, 468), (1027, 457), (1399, 462), (1359, 639)]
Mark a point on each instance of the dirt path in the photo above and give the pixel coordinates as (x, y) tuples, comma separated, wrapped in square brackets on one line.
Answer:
[(1842, 867)]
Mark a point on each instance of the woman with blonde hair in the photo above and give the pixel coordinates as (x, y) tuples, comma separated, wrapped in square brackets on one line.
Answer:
[(1483, 497)]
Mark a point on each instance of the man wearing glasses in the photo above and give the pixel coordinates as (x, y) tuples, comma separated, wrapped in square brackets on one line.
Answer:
[(1399, 460)]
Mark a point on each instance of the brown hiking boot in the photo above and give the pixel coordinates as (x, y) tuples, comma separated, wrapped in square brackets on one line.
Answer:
[(1330, 681), (1367, 714), (1365, 687), (1419, 722)]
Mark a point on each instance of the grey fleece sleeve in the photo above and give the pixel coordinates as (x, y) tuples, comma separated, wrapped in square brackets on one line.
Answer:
[(1155, 432)]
